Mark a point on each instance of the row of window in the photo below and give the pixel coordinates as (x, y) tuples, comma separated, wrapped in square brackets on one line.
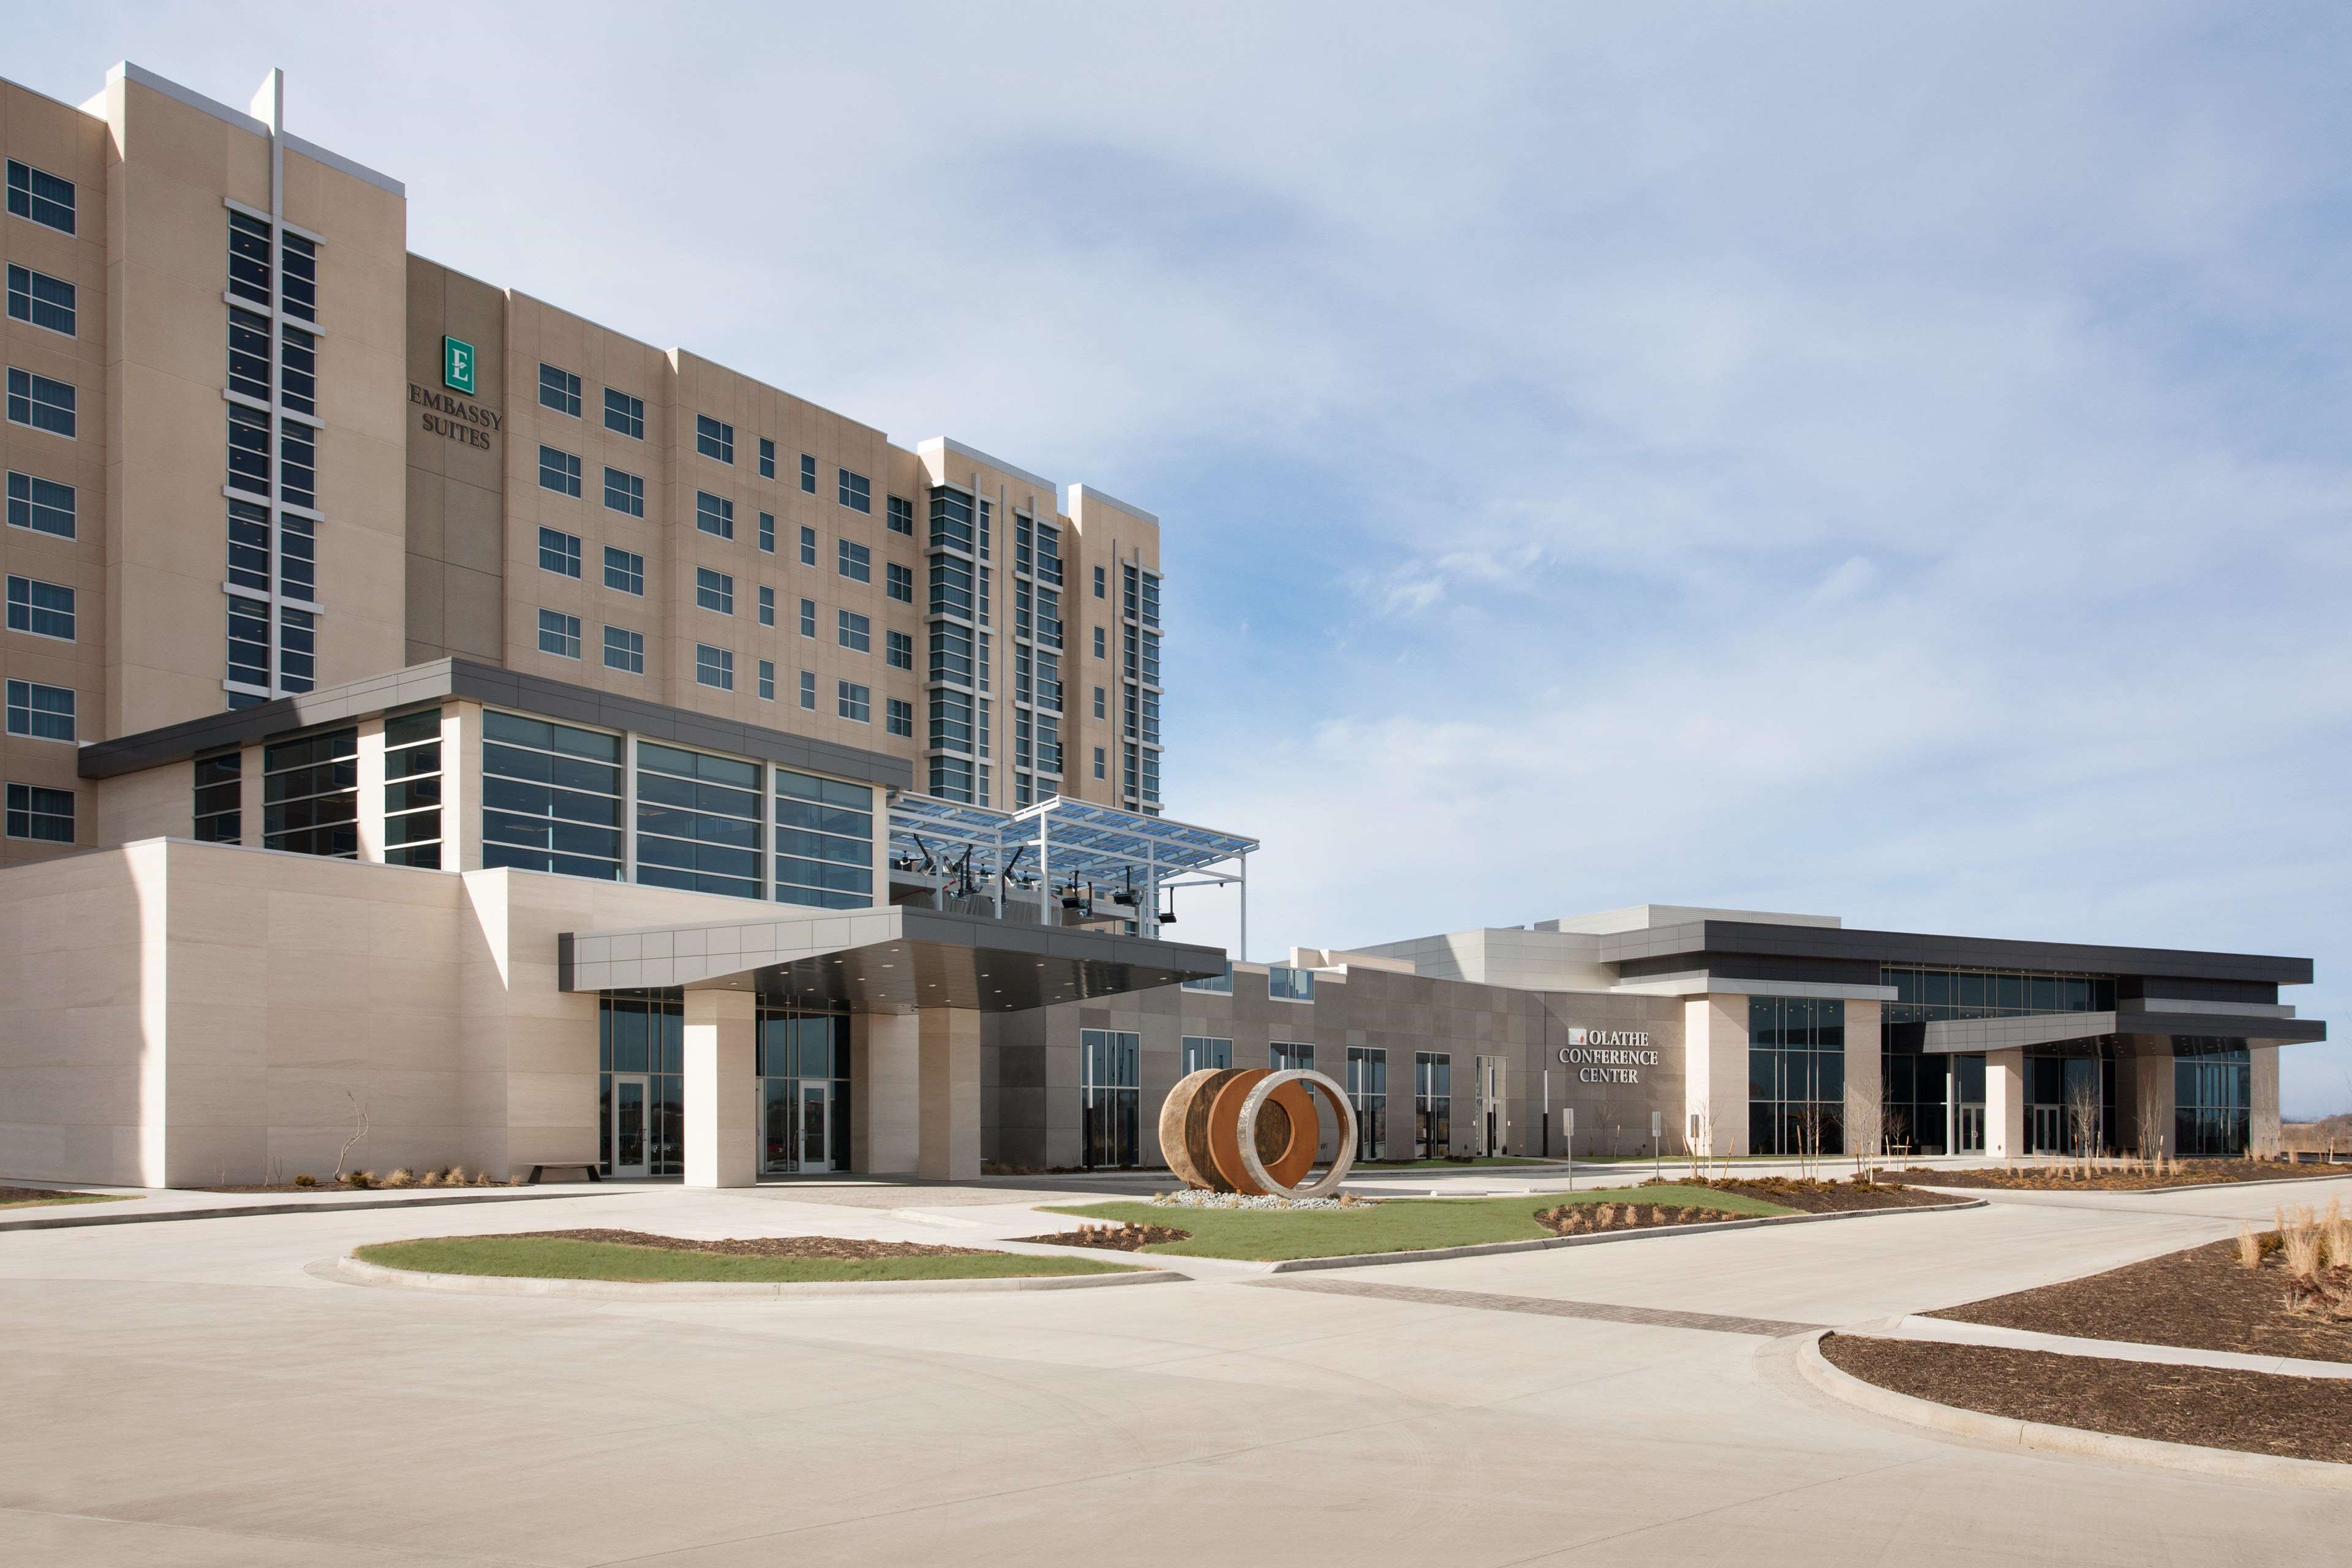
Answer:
[(272, 460)]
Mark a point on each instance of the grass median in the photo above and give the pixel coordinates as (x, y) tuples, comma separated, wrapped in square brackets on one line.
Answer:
[(552, 1258), (33, 1197), (1396, 1225)]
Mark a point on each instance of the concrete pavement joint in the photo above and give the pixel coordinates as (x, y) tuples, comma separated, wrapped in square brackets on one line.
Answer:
[(1544, 1306), (1959, 1331)]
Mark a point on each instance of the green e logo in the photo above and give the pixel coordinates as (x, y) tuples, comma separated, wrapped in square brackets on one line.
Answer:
[(457, 364)]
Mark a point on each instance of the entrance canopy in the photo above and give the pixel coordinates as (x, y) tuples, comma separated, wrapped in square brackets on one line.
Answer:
[(897, 960), (1068, 850), (1972, 1036)]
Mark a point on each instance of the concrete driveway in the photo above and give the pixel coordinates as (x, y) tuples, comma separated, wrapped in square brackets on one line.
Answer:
[(185, 1394)]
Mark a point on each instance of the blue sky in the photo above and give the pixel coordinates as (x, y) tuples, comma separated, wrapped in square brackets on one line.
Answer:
[(1869, 459)]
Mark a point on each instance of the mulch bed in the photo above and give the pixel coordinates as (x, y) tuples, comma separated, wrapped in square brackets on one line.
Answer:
[(2071, 1179), (759, 1246), (1590, 1219), (2255, 1411), (318, 1188), (1114, 1237), (2198, 1300), (1810, 1196)]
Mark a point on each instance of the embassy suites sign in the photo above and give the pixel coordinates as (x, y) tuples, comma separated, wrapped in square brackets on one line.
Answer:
[(455, 419), (1608, 1056)]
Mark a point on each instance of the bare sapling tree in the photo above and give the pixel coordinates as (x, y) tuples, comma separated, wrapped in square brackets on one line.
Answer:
[(359, 1131), (2150, 1113), (1702, 1140), (1865, 1125), (1895, 1134), (2083, 1121)]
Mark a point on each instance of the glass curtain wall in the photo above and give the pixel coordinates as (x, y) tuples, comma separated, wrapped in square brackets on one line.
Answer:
[(1935, 1101), (550, 797), (310, 795), (643, 1032), (1368, 1091), (412, 789), (1110, 1087), (2070, 1101), (698, 821), (2213, 1093), (1432, 1104), (1796, 1075)]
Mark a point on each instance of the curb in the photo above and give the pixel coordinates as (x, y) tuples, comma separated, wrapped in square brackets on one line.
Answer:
[(1960, 1332), (1547, 1243), (2040, 1437), (349, 1270), (2147, 1192), (298, 1205)]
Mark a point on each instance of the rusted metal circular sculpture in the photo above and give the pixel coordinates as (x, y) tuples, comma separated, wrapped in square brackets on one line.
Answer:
[(1255, 1131)]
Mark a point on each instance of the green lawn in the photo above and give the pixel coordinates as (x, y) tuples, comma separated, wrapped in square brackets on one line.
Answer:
[(1399, 1225), (547, 1258), (16, 1202)]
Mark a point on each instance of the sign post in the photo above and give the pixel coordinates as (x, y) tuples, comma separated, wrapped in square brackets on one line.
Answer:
[(1658, 1141), (1567, 1136)]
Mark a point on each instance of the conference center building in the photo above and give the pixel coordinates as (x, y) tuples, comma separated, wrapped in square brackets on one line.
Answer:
[(431, 712)]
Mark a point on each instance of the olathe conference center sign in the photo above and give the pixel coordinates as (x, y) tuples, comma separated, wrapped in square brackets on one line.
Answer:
[(1608, 1056)]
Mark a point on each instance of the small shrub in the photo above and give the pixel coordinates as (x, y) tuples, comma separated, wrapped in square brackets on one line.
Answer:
[(429, 1179), (306, 1180), (456, 1177), (2250, 1246), (482, 1179), (2337, 1228), (401, 1177), (359, 1179)]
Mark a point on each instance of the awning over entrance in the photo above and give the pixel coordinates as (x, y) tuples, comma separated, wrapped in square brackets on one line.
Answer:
[(1972, 1036), (897, 960)]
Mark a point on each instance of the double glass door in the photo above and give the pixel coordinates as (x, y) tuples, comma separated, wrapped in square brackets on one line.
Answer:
[(799, 1132)]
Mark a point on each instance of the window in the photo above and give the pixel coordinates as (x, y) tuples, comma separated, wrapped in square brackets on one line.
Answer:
[(901, 512), (2212, 1092), (808, 546), (44, 609), (901, 718), (856, 702), (219, 797), (808, 474), (412, 789), (298, 369), (714, 590), (1099, 761), (43, 301), (559, 552), (714, 667), (856, 491), (1433, 1105), (558, 634), (1368, 1091), (1101, 590), (856, 562), (767, 458), (1100, 712), (310, 795), (767, 606), (900, 649), (41, 196), (624, 650), (624, 413), (298, 464), (558, 471), (248, 450), (550, 797), (643, 1034), (697, 821), (625, 492), (625, 570), (808, 689), (1204, 1054), (768, 534), (43, 506), (714, 514), (45, 815), (856, 632), (1216, 985), (899, 583), (1796, 1075), (248, 643), (1110, 1086), (40, 403), (298, 278), (1284, 1056), (713, 439), (559, 390), (767, 680), (808, 617), (825, 841), (1098, 642), (43, 712)]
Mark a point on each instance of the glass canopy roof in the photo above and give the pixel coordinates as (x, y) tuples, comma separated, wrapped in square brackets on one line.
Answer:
[(1064, 840)]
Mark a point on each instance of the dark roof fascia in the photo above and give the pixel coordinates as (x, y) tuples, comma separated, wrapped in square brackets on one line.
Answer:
[(1706, 937)]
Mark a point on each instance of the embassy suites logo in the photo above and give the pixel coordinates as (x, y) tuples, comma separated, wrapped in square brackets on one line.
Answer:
[(1608, 1056)]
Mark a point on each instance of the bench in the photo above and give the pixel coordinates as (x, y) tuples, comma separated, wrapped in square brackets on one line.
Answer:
[(587, 1165)]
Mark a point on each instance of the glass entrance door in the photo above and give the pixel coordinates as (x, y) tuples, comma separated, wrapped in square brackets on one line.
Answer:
[(816, 1125), (1971, 1134), (629, 1156)]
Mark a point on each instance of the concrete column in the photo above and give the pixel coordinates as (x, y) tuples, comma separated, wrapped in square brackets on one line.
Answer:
[(1715, 1072), (371, 801), (2263, 1100), (951, 1094), (2005, 1104), (885, 1091), (461, 787), (722, 1143), (2143, 1098), (1865, 1074), (249, 796)]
